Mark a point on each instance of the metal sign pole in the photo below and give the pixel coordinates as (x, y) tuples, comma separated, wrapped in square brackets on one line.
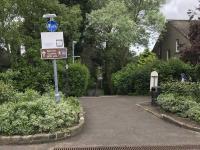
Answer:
[(57, 95), (49, 53)]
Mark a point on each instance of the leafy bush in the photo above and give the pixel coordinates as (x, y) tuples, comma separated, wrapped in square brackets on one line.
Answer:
[(176, 104), (183, 89), (9, 76), (123, 81), (194, 113), (75, 80), (42, 115), (34, 78), (136, 78), (7, 92), (175, 99)]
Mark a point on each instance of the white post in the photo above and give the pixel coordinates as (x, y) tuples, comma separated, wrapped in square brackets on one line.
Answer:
[(73, 45), (153, 80)]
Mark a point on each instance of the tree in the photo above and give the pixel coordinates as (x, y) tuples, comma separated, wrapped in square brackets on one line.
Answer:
[(24, 19), (120, 24), (146, 57), (23, 23), (192, 54)]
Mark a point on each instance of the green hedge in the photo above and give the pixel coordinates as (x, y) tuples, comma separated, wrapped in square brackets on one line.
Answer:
[(135, 78), (29, 77), (75, 80), (31, 113), (182, 88), (181, 98)]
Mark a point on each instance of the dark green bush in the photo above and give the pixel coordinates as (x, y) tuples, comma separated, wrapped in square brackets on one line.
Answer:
[(42, 115), (136, 78), (75, 80), (123, 81), (7, 92), (29, 77), (182, 89)]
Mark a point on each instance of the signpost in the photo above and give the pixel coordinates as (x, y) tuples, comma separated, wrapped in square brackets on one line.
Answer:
[(54, 53), (53, 47)]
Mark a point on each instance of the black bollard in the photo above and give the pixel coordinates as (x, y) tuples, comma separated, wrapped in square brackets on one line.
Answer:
[(155, 92)]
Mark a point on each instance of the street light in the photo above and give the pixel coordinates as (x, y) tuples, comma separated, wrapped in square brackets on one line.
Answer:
[(73, 44)]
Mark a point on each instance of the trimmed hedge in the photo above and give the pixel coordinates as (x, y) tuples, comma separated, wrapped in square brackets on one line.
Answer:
[(75, 80)]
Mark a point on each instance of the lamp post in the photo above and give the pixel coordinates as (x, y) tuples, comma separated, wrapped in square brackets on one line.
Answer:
[(52, 28), (73, 45)]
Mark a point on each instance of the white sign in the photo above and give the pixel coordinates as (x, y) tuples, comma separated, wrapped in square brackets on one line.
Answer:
[(153, 79), (52, 40)]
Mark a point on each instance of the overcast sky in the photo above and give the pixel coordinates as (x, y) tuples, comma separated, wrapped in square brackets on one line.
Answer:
[(177, 9), (173, 9)]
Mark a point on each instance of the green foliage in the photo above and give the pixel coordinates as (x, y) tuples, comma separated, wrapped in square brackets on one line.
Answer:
[(33, 114), (181, 98), (120, 24), (194, 113), (7, 92), (9, 76), (146, 57), (182, 88), (135, 78), (123, 81), (30, 72), (176, 104), (75, 80)]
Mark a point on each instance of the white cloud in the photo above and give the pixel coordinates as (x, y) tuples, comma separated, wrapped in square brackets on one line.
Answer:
[(177, 9)]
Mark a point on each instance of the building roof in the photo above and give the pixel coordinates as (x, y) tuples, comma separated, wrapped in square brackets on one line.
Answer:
[(182, 26)]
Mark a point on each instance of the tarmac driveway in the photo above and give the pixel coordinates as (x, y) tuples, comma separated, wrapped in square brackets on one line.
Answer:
[(116, 120)]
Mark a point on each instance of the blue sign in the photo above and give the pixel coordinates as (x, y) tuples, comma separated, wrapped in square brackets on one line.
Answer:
[(52, 26)]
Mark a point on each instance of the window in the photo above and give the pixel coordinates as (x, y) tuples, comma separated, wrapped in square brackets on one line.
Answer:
[(177, 45)]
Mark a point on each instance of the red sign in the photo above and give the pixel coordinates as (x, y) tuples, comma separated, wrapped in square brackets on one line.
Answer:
[(58, 53)]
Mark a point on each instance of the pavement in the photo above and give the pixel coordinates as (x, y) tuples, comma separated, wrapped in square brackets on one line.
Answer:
[(116, 120)]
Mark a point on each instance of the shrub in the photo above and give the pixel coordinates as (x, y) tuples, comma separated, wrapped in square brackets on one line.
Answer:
[(75, 80), (9, 76), (42, 115), (7, 92), (37, 78), (182, 89), (194, 113), (123, 81), (176, 104), (136, 78)]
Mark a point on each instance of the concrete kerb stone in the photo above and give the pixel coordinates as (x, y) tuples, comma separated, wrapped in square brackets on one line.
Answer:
[(42, 138), (169, 118)]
